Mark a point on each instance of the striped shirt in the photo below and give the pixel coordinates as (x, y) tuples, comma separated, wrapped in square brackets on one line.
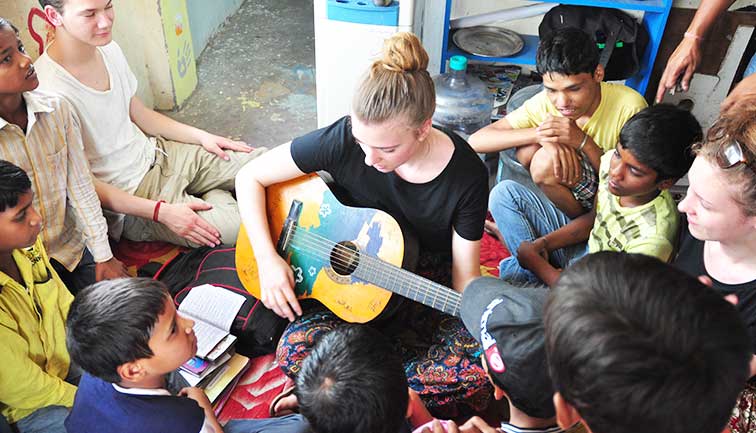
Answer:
[(648, 229), (50, 151)]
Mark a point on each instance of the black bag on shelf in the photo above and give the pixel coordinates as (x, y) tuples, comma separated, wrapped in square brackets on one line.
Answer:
[(621, 39)]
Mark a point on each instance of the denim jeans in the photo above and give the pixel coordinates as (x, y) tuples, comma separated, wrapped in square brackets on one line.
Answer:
[(50, 419), (523, 215)]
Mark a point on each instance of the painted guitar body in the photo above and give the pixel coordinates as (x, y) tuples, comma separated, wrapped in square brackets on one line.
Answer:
[(347, 258)]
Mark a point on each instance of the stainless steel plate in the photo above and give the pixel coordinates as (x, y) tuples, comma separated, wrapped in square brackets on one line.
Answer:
[(488, 41)]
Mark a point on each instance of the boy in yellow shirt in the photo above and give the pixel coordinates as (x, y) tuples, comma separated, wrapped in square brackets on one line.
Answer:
[(560, 134), (36, 389)]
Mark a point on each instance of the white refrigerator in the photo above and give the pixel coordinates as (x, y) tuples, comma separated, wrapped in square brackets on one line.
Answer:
[(349, 35)]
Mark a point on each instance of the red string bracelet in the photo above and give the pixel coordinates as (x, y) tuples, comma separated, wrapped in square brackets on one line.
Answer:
[(156, 212)]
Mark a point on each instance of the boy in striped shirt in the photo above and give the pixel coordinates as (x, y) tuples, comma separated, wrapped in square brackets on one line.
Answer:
[(634, 211), (40, 133)]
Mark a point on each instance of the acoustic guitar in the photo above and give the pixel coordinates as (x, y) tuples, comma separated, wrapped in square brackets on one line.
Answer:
[(347, 258)]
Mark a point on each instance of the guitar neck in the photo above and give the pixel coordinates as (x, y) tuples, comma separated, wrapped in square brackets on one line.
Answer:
[(408, 285)]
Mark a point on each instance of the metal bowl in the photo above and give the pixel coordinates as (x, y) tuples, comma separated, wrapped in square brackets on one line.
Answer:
[(487, 41)]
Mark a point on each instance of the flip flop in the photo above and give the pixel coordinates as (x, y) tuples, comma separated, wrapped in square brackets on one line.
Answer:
[(289, 387)]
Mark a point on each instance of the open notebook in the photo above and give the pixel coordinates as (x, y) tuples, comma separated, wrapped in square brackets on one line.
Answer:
[(213, 310)]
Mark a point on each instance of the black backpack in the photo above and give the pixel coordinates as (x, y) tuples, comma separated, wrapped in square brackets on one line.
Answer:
[(257, 328), (621, 39)]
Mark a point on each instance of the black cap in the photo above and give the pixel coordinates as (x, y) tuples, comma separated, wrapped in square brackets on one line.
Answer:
[(507, 321)]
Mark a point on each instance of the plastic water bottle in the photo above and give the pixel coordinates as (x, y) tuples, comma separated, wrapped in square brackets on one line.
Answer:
[(463, 102)]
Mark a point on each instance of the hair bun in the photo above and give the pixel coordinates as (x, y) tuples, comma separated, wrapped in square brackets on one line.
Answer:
[(403, 52)]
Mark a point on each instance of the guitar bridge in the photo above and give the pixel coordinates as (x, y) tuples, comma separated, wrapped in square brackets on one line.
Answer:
[(288, 228)]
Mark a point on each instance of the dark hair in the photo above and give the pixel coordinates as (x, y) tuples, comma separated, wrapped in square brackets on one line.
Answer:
[(633, 344), (110, 324), (353, 381), (567, 51), (57, 4), (13, 183), (661, 137), (5, 23)]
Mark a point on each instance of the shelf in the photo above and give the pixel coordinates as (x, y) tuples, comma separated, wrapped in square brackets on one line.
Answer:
[(654, 20), (527, 56), (657, 6)]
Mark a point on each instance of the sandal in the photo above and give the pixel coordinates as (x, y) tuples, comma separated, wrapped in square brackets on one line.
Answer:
[(288, 390)]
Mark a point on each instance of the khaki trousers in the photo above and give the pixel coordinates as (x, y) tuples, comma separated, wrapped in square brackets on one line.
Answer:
[(184, 173)]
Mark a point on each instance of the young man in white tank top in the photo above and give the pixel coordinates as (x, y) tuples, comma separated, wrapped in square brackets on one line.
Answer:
[(159, 178)]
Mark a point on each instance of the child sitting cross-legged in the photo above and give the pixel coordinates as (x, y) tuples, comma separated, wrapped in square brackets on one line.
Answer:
[(634, 211), (127, 336)]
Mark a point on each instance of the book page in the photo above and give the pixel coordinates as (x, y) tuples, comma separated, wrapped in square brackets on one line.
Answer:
[(207, 337), (214, 305)]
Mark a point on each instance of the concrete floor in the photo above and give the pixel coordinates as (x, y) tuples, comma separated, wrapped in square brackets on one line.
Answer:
[(257, 75)]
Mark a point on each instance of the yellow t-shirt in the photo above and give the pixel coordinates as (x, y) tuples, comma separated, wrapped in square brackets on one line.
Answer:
[(33, 337), (648, 229), (618, 104)]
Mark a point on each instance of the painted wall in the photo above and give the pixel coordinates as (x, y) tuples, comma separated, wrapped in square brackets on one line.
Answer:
[(139, 30), (205, 17)]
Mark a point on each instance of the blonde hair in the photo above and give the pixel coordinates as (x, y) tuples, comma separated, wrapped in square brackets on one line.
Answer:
[(397, 85), (739, 123)]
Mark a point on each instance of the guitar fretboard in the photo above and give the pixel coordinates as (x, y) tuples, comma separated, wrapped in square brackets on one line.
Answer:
[(375, 271)]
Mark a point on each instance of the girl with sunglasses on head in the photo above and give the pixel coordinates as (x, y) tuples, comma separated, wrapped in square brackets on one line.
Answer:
[(719, 240)]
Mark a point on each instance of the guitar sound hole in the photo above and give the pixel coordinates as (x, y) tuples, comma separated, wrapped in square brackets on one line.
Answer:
[(344, 258)]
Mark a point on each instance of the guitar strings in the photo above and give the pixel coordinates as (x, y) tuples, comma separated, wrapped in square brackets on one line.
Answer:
[(370, 265), (374, 264), (321, 245), (444, 301)]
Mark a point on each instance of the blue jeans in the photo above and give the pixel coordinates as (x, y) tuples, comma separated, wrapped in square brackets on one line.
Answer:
[(50, 419), (523, 215), (285, 424)]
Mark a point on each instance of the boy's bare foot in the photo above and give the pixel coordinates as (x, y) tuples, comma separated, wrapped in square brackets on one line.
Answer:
[(491, 228)]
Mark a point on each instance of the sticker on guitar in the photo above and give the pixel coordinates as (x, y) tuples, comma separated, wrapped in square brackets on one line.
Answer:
[(353, 256)]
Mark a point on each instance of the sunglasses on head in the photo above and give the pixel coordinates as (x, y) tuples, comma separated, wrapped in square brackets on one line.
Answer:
[(733, 154)]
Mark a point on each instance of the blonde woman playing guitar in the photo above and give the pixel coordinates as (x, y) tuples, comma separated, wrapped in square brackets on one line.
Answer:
[(388, 156)]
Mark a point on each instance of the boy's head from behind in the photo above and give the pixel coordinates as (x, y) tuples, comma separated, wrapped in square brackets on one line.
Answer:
[(16, 70), (568, 61), (86, 21), (507, 321), (127, 331), (635, 345), (654, 150), (353, 381), (20, 224)]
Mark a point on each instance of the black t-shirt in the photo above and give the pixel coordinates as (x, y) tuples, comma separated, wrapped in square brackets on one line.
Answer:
[(691, 260), (457, 197)]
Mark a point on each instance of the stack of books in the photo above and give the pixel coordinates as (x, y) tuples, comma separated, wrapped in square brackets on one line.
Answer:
[(216, 367)]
